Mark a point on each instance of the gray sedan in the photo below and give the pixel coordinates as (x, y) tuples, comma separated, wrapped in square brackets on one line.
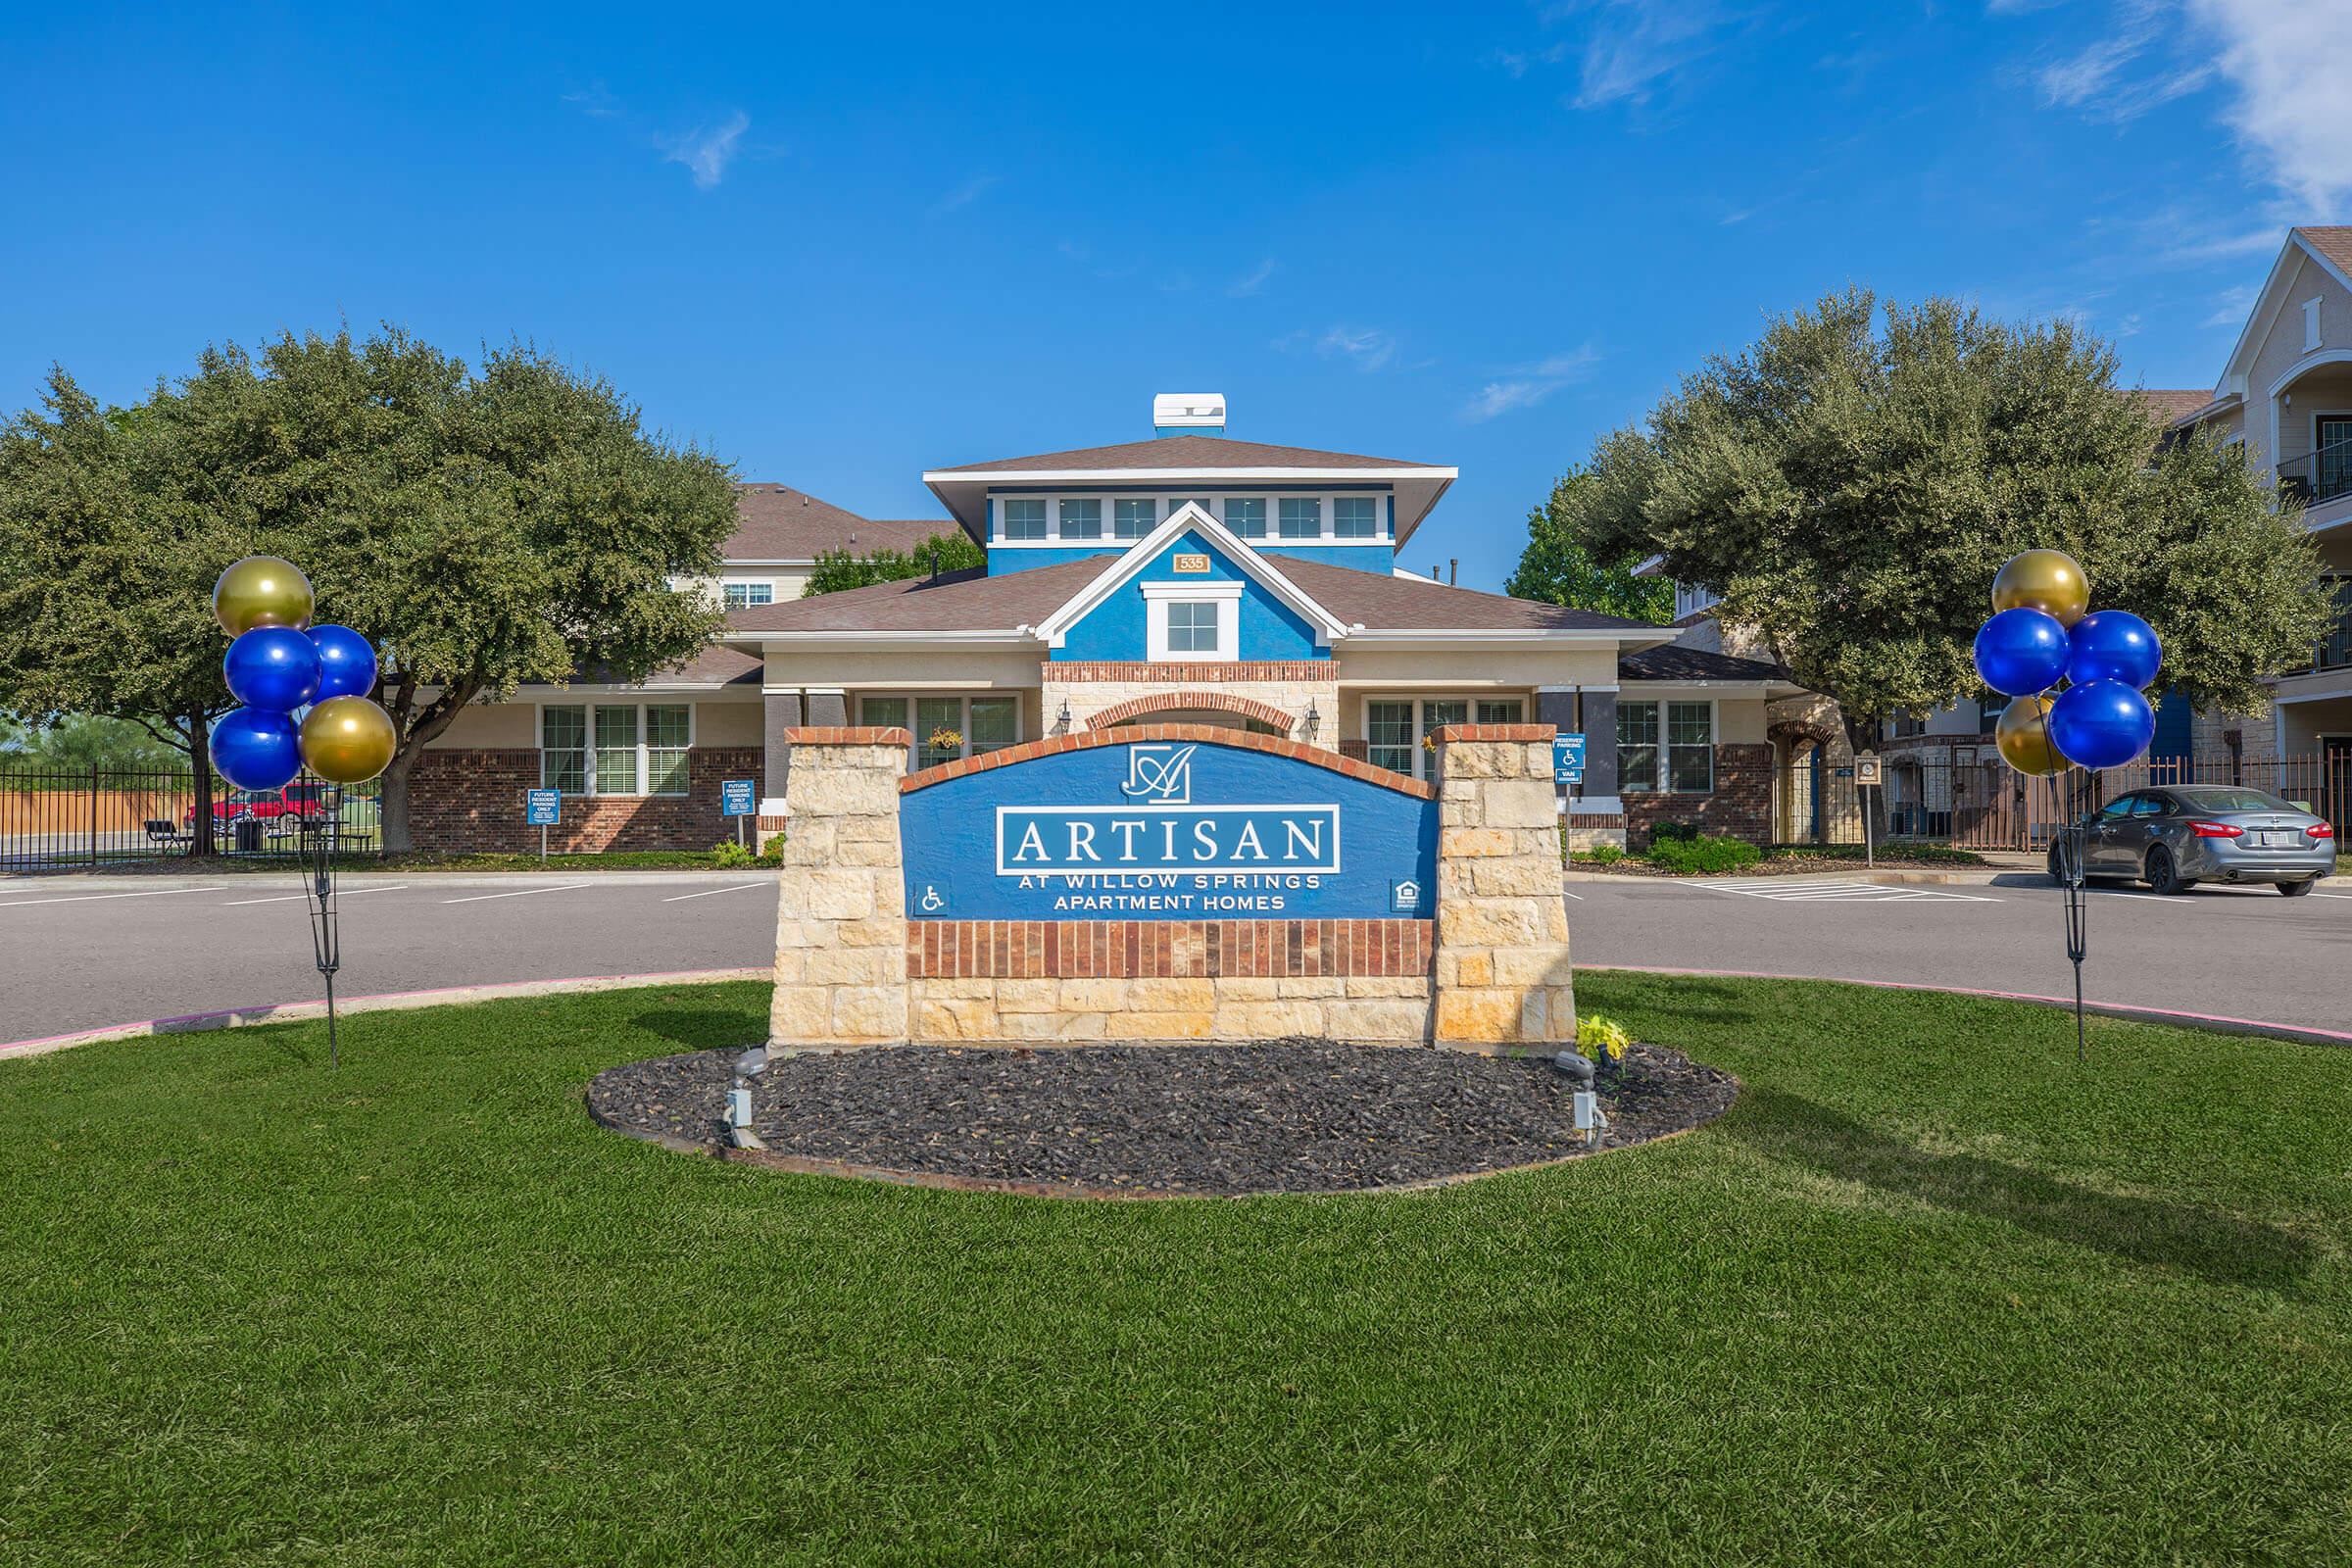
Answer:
[(2179, 836)]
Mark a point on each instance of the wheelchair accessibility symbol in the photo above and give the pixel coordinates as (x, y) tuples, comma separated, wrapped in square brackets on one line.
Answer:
[(931, 898)]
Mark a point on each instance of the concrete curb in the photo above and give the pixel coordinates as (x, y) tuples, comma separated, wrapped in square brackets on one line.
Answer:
[(1970, 876), (59, 884), (388, 1001)]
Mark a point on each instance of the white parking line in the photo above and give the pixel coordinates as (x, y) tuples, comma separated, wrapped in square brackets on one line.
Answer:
[(85, 898), (706, 893), (288, 898), (1780, 891), (2318, 894), (518, 893), (1578, 897)]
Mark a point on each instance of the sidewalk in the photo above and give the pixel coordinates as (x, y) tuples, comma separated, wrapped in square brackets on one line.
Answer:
[(1997, 863)]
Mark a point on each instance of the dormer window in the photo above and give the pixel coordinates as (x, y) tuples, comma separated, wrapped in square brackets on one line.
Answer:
[(1193, 622), (1355, 518), (1245, 515), (1082, 519), (1302, 517)]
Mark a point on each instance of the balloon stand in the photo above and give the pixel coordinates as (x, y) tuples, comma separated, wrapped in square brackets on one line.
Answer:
[(326, 935)]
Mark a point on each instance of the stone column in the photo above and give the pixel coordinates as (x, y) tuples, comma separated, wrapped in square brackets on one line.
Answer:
[(783, 715), (1501, 976), (841, 906)]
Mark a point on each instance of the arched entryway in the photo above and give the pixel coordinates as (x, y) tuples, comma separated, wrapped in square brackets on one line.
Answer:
[(1220, 710)]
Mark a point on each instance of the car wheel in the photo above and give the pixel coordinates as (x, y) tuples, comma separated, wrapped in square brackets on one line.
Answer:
[(2162, 876), (2296, 890)]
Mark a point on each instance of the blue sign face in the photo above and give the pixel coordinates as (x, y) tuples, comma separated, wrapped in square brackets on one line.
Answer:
[(1166, 830), (1567, 759), (735, 796), (541, 808)]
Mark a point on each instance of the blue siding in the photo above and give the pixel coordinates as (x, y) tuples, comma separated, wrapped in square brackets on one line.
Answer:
[(1119, 627), (2173, 717), (1378, 558)]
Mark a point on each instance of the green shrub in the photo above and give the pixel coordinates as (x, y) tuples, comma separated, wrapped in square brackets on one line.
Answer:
[(1702, 852), (1599, 855), (1599, 1037), (726, 855)]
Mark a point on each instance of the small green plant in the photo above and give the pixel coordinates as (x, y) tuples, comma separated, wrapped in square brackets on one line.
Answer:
[(726, 855), (771, 851), (1702, 853), (1598, 1036), (1601, 854)]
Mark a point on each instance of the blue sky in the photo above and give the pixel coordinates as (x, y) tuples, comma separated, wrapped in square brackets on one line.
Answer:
[(838, 249)]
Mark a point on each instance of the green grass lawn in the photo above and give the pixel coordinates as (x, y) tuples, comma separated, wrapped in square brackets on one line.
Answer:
[(1931, 1293)]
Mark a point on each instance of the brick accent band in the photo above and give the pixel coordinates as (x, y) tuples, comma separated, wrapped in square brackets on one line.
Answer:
[(847, 735), (1082, 669), (1088, 950), (1217, 701), (1447, 734), (1207, 734)]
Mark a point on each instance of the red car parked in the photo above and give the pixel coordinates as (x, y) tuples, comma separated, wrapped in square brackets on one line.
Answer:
[(295, 799)]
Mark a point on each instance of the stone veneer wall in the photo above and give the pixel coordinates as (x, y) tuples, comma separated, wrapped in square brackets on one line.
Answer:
[(1092, 687), (841, 898), (1740, 805), (1501, 973), (464, 801)]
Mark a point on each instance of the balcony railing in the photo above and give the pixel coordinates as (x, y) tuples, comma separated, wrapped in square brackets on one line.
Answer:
[(2319, 475)]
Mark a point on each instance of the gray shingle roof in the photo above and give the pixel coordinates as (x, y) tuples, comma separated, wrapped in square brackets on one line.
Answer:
[(972, 601), (1184, 452), (776, 523), (1673, 663)]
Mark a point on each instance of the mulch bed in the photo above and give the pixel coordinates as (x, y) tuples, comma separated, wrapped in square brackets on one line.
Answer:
[(1284, 1116)]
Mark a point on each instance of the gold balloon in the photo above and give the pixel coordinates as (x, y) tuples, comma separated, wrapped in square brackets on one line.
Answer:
[(2023, 733), (261, 591), (2048, 580), (348, 740)]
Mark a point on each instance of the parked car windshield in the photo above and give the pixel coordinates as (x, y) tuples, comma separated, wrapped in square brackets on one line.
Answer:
[(2223, 797)]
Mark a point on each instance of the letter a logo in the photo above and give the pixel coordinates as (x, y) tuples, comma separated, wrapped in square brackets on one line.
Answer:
[(1159, 773)]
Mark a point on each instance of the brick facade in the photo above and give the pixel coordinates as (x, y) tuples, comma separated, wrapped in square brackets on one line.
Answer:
[(464, 801), (1270, 950), (1740, 805)]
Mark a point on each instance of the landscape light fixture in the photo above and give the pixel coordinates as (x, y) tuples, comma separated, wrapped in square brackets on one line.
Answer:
[(748, 1066)]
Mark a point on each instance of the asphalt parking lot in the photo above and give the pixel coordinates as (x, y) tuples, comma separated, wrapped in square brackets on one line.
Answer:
[(87, 952)]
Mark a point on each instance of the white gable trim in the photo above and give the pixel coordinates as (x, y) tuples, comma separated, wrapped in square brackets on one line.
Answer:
[(1189, 518), (2268, 305)]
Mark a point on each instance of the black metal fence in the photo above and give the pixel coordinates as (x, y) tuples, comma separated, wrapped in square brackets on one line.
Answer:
[(67, 819)]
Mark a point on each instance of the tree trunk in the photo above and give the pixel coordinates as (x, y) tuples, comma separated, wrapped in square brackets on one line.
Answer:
[(395, 804), (200, 759)]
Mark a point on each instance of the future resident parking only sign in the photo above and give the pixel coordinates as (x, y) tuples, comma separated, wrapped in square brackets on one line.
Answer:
[(1166, 830)]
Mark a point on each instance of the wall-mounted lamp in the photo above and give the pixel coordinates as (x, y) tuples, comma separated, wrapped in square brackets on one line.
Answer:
[(1313, 718), (1062, 724)]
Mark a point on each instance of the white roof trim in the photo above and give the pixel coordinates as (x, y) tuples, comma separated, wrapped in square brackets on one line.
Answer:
[(1629, 638), (1191, 476), (1187, 518), (846, 636), (2267, 307)]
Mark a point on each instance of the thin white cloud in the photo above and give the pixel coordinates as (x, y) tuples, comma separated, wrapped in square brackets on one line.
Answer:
[(594, 102), (1526, 385), (2107, 80), (1252, 281), (2230, 306), (963, 195), (706, 153), (2292, 110), (1631, 45), (1368, 348)]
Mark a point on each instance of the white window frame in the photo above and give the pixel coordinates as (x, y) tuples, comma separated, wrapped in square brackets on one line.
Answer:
[(747, 584), (588, 789), (1659, 743), (1164, 502), (1689, 599), (1159, 596), (912, 696), (1425, 760)]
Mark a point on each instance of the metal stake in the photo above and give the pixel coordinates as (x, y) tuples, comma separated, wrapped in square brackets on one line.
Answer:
[(327, 937), (2070, 866)]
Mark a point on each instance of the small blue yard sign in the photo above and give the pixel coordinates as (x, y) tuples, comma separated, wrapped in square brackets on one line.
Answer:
[(1568, 759), (1167, 831), (735, 796), (541, 808)]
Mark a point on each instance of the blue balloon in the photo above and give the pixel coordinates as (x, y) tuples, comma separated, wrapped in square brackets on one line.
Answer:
[(2020, 651), (346, 662), (274, 668), (255, 750), (2103, 723), (2113, 645)]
